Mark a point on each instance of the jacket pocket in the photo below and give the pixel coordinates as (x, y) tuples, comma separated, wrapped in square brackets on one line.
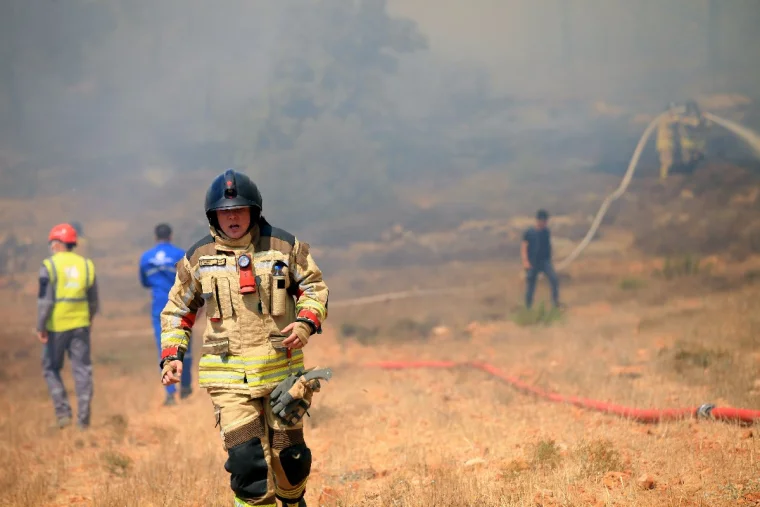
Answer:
[(280, 295), (265, 292), (208, 293), (288, 316), (216, 346), (218, 296), (276, 338), (224, 297)]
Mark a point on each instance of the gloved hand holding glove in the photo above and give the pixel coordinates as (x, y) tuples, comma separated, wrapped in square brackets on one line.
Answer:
[(291, 399)]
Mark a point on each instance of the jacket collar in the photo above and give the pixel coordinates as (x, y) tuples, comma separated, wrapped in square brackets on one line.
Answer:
[(226, 243)]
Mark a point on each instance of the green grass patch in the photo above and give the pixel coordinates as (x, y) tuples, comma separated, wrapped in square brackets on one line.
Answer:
[(539, 315)]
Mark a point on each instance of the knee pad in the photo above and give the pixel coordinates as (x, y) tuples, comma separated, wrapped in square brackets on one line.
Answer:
[(248, 469), (282, 439), (296, 463)]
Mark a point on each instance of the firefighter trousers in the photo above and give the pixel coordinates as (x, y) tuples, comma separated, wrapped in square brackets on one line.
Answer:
[(266, 459), (666, 163)]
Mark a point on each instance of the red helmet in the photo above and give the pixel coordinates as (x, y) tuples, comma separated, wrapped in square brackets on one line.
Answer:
[(64, 233)]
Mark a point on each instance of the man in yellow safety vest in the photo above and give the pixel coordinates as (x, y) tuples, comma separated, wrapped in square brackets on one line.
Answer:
[(67, 301)]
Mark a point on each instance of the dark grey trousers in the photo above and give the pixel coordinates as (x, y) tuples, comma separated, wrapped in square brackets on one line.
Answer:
[(77, 343)]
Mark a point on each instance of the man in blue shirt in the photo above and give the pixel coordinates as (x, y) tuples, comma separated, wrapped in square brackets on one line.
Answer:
[(536, 251), (157, 272)]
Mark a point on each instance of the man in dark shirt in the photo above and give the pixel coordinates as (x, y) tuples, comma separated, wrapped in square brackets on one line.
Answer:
[(536, 253)]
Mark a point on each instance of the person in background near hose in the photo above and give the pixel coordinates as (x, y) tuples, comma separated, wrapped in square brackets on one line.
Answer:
[(264, 298), (157, 273), (692, 130), (668, 140), (536, 252), (68, 300)]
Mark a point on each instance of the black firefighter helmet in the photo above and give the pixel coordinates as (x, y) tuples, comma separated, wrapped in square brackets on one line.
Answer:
[(232, 189)]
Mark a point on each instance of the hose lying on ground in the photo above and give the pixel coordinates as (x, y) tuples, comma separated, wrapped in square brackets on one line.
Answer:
[(705, 411)]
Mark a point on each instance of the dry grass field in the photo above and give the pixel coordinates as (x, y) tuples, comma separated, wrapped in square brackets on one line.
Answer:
[(639, 330)]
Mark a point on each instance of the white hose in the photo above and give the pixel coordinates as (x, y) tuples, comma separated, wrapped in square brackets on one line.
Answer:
[(749, 136), (613, 196)]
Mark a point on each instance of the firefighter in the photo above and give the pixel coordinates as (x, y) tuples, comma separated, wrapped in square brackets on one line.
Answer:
[(668, 141), (264, 299), (692, 130), (157, 273), (68, 300)]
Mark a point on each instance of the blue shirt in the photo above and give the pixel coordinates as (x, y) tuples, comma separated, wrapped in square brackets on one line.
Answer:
[(539, 246), (157, 272)]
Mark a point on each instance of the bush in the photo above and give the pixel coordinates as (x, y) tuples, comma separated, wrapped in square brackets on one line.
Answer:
[(538, 315), (681, 266), (631, 283), (599, 457), (546, 454), (362, 334)]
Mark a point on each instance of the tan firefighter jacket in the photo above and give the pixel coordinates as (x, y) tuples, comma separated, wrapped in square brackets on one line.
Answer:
[(242, 329)]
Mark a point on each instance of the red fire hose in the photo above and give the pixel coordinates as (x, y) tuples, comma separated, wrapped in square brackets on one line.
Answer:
[(706, 411)]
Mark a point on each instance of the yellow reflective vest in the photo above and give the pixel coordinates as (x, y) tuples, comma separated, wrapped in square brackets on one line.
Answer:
[(71, 275)]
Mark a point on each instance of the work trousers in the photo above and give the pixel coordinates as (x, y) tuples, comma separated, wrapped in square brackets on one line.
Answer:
[(531, 277), (77, 344), (266, 459)]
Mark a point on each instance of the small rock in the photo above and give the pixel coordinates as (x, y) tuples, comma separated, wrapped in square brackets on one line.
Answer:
[(746, 434), (627, 371), (474, 461), (614, 479), (646, 482), (328, 494), (749, 197), (440, 331), (517, 465)]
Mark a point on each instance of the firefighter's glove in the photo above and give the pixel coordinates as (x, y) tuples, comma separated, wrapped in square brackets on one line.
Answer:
[(171, 370), (302, 330), (292, 397)]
